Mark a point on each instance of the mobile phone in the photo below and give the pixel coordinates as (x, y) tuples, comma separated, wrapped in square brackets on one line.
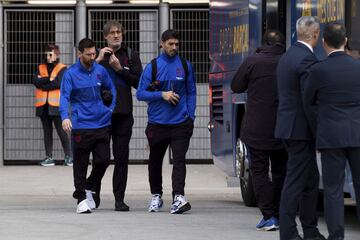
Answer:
[(107, 55)]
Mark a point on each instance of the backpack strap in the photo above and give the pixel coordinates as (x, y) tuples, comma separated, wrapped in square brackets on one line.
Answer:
[(185, 67), (129, 54), (153, 70)]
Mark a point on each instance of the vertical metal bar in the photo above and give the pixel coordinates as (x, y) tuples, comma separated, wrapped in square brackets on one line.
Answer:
[(1, 87), (288, 23), (80, 20), (163, 17)]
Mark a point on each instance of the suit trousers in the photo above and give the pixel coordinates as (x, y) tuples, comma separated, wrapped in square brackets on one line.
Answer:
[(121, 130), (160, 136), (268, 192), (84, 142), (300, 190), (333, 163)]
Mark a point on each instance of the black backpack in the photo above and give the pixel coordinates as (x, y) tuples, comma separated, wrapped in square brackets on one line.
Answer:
[(153, 84)]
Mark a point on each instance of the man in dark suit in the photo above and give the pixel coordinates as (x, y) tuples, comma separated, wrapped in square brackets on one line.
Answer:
[(257, 75), (333, 86), (302, 176)]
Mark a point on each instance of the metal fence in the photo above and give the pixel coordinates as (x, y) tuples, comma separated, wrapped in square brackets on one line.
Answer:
[(193, 27), (26, 33), (28, 30)]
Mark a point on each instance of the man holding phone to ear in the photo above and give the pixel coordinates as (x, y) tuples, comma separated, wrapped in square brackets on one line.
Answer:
[(124, 67)]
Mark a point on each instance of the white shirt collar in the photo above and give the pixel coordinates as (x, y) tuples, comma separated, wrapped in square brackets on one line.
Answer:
[(337, 50), (306, 44)]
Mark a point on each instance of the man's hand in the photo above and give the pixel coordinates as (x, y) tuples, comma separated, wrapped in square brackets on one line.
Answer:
[(115, 63), (102, 53), (66, 125), (170, 97)]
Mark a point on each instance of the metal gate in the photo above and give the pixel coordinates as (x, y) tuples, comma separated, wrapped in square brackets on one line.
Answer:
[(142, 36), (26, 33), (193, 27)]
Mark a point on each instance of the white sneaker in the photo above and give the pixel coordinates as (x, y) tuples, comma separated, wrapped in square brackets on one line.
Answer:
[(179, 205), (90, 199), (156, 203), (83, 207)]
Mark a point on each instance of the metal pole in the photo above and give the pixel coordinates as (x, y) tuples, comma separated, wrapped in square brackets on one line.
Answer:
[(80, 20), (164, 17), (2, 80)]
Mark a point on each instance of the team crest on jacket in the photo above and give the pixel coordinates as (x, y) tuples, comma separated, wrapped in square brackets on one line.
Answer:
[(98, 76), (179, 74), (77, 138)]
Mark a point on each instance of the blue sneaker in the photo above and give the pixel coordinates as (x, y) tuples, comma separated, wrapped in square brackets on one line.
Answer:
[(48, 161), (268, 225), (156, 203), (68, 161), (179, 205)]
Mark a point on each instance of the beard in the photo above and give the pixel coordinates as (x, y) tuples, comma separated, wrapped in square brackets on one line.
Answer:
[(115, 44), (172, 53)]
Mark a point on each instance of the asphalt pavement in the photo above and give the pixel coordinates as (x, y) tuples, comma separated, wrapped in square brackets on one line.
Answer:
[(36, 203)]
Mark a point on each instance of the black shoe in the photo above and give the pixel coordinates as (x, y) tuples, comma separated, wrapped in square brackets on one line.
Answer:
[(121, 206), (96, 197), (318, 236)]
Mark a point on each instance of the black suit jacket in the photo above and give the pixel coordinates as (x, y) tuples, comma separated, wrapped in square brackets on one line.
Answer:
[(257, 75), (333, 86), (291, 121)]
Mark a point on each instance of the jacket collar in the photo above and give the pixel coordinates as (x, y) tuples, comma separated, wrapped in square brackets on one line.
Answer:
[(83, 68), (275, 49), (300, 44), (167, 57), (336, 53), (122, 47)]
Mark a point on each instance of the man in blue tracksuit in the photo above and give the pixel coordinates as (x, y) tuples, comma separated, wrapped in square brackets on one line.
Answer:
[(81, 89), (168, 86)]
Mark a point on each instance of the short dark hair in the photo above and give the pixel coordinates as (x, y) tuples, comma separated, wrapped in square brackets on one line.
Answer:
[(52, 47), (170, 34), (85, 43), (273, 37), (334, 35), (112, 23)]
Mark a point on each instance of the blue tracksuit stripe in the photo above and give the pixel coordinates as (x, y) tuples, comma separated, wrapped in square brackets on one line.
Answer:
[(171, 76), (81, 89)]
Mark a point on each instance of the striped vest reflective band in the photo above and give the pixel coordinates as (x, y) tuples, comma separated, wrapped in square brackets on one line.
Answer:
[(53, 96)]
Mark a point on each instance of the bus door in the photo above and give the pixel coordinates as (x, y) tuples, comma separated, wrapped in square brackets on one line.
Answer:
[(274, 15), (352, 21)]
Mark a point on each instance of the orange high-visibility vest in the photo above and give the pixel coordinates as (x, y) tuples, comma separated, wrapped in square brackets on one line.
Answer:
[(53, 96)]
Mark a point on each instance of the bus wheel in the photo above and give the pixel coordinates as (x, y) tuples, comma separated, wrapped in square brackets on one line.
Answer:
[(243, 172)]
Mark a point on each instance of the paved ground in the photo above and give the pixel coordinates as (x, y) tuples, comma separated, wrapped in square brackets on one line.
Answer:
[(36, 203)]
